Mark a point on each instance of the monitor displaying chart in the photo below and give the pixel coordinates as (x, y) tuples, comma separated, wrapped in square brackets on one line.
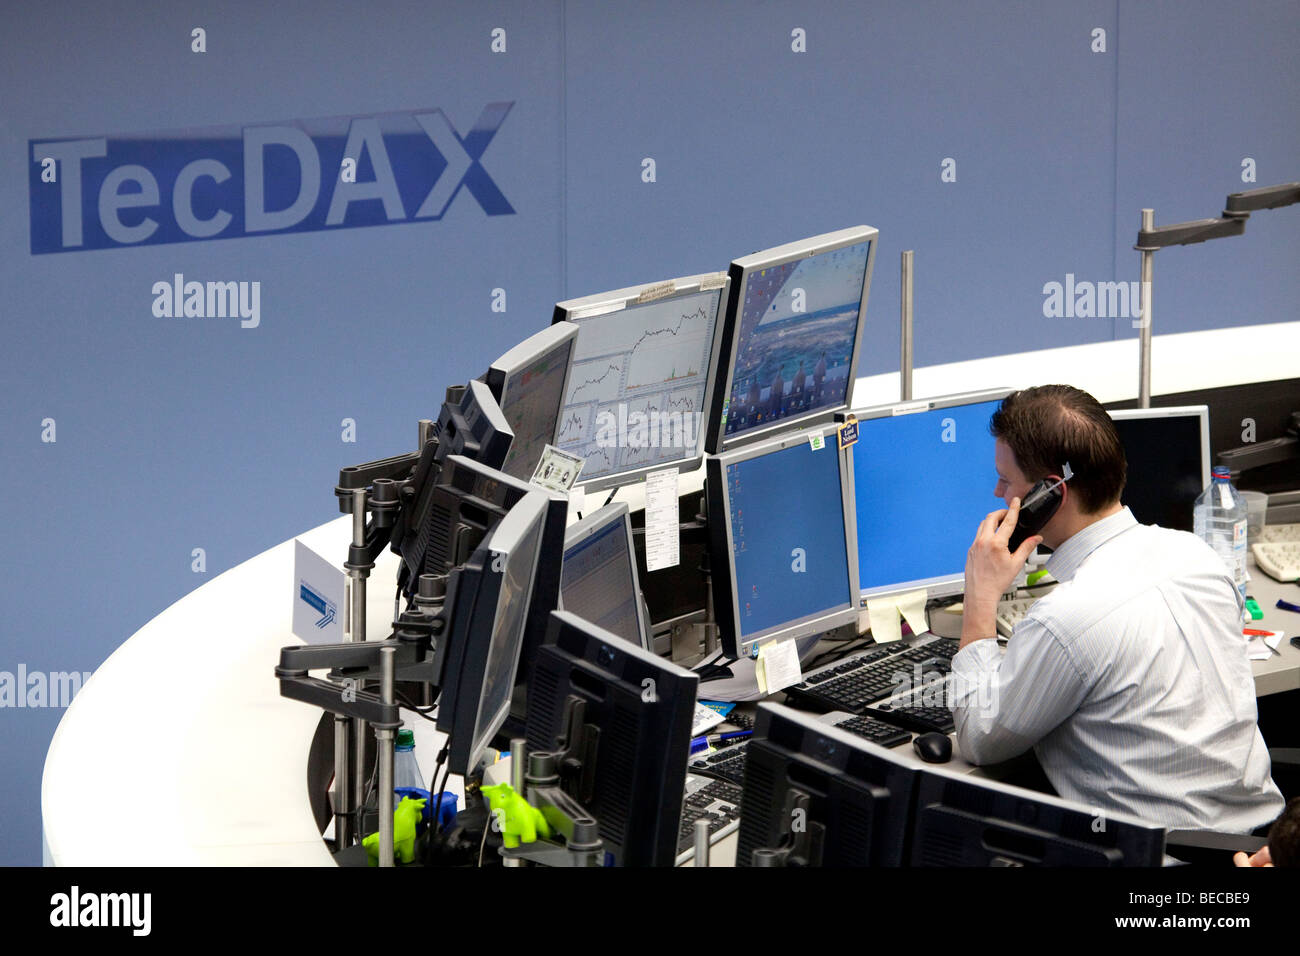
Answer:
[(640, 379)]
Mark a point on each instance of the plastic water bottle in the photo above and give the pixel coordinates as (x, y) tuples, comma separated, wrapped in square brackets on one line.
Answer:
[(1219, 519), (406, 772)]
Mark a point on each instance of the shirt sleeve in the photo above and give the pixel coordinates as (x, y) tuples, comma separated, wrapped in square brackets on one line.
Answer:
[(1004, 704)]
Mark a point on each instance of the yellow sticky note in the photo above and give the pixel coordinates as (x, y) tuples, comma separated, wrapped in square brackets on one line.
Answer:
[(885, 625), (912, 604)]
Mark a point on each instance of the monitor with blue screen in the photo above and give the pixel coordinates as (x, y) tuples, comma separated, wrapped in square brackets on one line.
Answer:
[(792, 335), (779, 525), (599, 582), (923, 480)]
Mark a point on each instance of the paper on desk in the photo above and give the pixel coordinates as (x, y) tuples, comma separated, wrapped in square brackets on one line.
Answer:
[(778, 666), (661, 532), (318, 597), (1257, 648)]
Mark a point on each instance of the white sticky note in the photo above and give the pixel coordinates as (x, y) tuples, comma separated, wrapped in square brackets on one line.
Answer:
[(577, 498), (885, 626), (817, 442), (662, 545), (912, 606), (319, 590), (778, 666)]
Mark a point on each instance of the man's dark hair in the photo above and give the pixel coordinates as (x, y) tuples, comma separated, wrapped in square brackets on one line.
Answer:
[(1284, 836), (1047, 426)]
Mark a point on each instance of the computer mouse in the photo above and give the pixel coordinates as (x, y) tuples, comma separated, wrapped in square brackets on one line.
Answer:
[(933, 747)]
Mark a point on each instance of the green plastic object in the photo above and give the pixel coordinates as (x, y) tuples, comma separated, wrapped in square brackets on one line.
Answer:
[(1033, 577), (405, 817), (517, 819), (1253, 607), (406, 738)]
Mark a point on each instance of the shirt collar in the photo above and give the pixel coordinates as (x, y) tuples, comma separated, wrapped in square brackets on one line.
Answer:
[(1065, 561)]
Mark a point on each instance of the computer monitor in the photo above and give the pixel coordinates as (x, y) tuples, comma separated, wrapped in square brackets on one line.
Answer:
[(780, 516), (491, 595), (962, 820), (529, 383), (923, 480), (624, 717), (599, 582), (455, 511), (815, 795), (792, 336), (471, 426), (643, 377), (1168, 453)]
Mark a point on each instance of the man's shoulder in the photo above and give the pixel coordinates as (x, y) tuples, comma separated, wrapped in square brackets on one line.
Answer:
[(1124, 570)]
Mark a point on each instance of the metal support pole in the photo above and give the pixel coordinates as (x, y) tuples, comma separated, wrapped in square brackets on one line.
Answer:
[(385, 735), (1144, 331), (344, 833), (357, 632), (905, 363), (518, 775), (701, 842), (357, 621)]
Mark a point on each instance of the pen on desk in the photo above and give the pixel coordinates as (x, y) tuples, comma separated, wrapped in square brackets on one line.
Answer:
[(708, 740), (1288, 606)]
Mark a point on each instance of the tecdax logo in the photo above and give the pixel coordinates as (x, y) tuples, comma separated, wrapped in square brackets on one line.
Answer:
[(105, 192)]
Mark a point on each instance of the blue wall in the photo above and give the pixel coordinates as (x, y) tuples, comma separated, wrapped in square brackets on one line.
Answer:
[(182, 433)]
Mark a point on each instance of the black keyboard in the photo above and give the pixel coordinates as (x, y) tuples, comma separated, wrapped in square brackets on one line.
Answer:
[(914, 717), (717, 801), (863, 680), (729, 764)]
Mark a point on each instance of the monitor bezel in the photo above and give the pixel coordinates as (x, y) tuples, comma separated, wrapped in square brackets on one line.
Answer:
[(595, 523), (578, 310), (942, 585), (537, 346), (1201, 412), (739, 273), (725, 588)]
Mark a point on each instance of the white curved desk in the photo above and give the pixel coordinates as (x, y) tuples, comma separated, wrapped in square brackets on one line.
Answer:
[(180, 749)]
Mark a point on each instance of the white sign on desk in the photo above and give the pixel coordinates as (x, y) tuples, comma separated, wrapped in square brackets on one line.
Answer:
[(318, 597)]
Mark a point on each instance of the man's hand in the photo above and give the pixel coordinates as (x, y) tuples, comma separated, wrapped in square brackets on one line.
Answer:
[(990, 569), (1261, 858)]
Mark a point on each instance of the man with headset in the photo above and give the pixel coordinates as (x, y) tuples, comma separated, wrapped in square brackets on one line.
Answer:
[(1130, 679)]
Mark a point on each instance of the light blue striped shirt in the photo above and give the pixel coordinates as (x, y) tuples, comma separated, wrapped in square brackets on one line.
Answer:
[(1130, 680)]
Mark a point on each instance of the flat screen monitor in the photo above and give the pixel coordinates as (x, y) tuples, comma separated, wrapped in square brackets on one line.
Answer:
[(529, 383), (815, 795), (642, 377), (1168, 454), (780, 515), (923, 480), (599, 582), (792, 336), (636, 711), (962, 820), (491, 595)]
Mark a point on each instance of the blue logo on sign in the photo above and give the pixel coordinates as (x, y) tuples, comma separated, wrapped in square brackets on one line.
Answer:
[(190, 185), (323, 605)]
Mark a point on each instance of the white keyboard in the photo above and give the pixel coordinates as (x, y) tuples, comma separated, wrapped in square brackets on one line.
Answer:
[(1011, 613), (1280, 533), (1279, 559)]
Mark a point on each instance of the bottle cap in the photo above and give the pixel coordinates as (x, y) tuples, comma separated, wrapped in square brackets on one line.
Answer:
[(1220, 471), (406, 738)]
